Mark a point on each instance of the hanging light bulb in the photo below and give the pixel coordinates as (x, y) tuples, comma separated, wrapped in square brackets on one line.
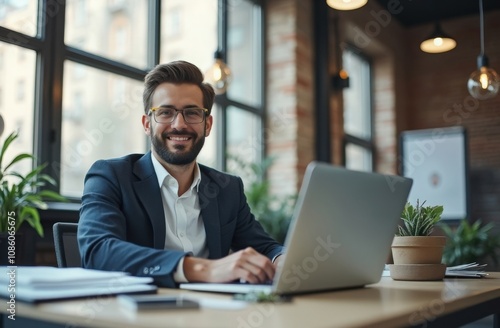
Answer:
[(438, 41), (219, 75), (346, 4), (484, 82)]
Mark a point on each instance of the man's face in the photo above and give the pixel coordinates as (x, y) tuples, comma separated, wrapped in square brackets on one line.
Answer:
[(177, 143)]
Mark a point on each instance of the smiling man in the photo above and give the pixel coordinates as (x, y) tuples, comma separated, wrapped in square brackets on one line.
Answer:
[(161, 214)]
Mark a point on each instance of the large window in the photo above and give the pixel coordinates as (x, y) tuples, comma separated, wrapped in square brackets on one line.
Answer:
[(358, 144), (71, 75), (17, 103)]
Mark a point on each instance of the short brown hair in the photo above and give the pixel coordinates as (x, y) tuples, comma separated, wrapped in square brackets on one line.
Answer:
[(176, 72)]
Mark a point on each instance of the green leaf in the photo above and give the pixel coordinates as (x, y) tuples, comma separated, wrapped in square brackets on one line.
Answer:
[(32, 216), (470, 242), (5, 146), (17, 159), (419, 220), (21, 194)]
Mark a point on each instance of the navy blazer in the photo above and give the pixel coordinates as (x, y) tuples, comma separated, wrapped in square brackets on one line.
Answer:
[(122, 223)]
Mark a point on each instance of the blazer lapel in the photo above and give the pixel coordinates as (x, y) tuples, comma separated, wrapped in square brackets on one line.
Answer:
[(209, 204), (149, 194)]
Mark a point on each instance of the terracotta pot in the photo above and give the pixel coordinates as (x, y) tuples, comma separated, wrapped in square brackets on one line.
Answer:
[(417, 271), (418, 249)]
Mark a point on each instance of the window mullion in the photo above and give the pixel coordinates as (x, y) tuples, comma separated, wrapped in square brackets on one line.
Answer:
[(105, 64), (367, 144), (154, 35), (49, 77)]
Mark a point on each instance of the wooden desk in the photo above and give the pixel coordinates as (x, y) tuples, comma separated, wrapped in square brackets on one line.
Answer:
[(389, 303)]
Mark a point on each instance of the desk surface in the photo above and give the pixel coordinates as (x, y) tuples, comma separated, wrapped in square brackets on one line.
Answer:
[(388, 303)]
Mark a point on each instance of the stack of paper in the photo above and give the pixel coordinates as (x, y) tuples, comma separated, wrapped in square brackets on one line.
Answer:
[(472, 270), (39, 283)]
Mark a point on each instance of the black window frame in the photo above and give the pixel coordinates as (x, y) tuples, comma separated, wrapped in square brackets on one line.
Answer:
[(223, 101), (349, 139)]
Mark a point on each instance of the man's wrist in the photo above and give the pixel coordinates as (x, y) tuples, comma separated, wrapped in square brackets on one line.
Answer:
[(196, 269), (179, 272), (276, 257)]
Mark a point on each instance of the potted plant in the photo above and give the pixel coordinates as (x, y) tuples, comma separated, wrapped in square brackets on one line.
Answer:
[(417, 254), (21, 196), (470, 242)]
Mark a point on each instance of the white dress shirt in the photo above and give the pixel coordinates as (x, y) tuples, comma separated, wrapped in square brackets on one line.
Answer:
[(185, 230)]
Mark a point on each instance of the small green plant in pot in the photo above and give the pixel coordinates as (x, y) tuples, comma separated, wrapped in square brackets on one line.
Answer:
[(419, 220), (21, 196), (414, 249)]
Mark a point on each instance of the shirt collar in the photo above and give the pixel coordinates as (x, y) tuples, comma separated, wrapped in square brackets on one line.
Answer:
[(162, 173)]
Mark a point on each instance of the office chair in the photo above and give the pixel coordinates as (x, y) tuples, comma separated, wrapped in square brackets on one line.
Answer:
[(66, 245)]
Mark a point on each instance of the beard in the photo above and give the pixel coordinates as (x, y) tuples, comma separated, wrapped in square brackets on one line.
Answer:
[(183, 157)]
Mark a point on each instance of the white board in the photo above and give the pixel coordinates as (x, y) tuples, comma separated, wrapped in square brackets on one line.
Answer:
[(436, 160)]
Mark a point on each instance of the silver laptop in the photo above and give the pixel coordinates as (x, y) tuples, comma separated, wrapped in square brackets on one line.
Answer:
[(340, 234)]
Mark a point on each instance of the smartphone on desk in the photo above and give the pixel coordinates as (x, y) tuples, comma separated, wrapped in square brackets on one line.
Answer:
[(160, 302)]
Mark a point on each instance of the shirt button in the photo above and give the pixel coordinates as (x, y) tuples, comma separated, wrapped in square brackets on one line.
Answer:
[(181, 234)]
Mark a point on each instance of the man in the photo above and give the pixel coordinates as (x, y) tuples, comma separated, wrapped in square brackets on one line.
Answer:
[(162, 214)]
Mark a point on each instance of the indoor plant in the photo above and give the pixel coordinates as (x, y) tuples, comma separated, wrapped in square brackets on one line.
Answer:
[(273, 212), (470, 242), (21, 195), (416, 253)]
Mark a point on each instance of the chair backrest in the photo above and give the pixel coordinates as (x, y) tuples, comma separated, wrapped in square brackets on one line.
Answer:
[(66, 244)]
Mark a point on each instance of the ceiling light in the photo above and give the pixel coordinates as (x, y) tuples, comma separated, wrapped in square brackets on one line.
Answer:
[(438, 41), (346, 4), (484, 82)]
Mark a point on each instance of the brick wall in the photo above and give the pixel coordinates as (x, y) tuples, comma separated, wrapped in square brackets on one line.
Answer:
[(290, 110)]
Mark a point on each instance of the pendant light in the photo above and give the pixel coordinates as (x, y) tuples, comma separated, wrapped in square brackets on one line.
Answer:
[(484, 82), (346, 4), (219, 74), (438, 41)]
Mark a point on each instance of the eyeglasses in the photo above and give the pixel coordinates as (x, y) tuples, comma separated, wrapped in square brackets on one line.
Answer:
[(167, 115)]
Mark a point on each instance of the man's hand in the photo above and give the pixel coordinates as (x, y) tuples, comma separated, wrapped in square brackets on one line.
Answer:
[(247, 265)]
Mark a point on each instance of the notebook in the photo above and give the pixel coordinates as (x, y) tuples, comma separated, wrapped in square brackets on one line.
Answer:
[(340, 234)]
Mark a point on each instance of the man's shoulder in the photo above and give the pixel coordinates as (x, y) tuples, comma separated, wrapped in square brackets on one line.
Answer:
[(123, 160), (217, 176), (122, 164), (211, 171)]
